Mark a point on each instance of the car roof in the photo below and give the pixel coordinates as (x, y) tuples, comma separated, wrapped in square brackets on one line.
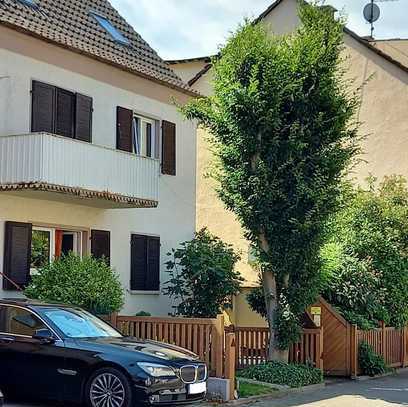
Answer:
[(26, 302)]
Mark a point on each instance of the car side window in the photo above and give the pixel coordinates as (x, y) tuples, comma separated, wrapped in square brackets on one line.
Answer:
[(18, 321)]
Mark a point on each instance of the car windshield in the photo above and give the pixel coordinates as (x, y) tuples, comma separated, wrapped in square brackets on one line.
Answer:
[(77, 323)]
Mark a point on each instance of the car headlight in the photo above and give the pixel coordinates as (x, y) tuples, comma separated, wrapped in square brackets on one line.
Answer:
[(156, 370)]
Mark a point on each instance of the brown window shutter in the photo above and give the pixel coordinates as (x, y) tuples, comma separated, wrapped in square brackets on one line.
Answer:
[(17, 254), (168, 148), (65, 113), (153, 260), (43, 107), (100, 244), (138, 262), (124, 120), (83, 118)]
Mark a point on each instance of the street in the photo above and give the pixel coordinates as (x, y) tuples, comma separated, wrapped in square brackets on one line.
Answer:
[(388, 391)]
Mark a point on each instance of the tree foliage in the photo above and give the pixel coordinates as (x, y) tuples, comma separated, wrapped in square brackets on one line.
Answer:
[(202, 276), (365, 259), (86, 282), (282, 129)]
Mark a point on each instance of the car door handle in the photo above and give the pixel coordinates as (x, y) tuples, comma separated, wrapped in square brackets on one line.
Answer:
[(6, 339)]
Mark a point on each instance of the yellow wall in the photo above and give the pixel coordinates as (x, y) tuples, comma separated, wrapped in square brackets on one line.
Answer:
[(384, 117)]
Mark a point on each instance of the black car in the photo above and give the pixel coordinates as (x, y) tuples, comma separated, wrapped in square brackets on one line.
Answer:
[(64, 353)]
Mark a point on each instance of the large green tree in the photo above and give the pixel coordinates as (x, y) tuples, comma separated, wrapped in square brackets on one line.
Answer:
[(282, 130)]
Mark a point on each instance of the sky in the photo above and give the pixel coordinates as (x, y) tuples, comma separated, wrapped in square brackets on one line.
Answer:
[(179, 29)]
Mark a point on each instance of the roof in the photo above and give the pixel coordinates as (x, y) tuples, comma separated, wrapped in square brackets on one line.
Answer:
[(206, 58), (397, 48), (69, 24), (26, 302), (400, 63)]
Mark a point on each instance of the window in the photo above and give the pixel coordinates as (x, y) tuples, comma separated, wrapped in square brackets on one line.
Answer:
[(27, 248), (42, 248), (18, 321), (76, 323), (144, 137), (62, 112), (31, 3), (48, 243), (145, 263), (108, 26)]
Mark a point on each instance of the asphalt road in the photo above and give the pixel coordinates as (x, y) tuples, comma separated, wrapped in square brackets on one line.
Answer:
[(385, 392)]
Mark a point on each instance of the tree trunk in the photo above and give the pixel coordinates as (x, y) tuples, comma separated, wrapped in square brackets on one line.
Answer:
[(271, 302)]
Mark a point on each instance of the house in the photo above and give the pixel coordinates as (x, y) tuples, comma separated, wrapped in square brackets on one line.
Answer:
[(94, 156), (383, 113)]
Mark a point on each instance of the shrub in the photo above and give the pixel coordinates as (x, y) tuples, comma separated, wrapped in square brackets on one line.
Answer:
[(202, 276), (86, 282), (365, 257), (283, 374), (371, 363)]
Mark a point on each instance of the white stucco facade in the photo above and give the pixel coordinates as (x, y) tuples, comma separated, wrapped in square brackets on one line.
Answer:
[(24, 59)]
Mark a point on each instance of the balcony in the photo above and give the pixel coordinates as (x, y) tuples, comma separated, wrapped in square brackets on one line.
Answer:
[(46, 166)]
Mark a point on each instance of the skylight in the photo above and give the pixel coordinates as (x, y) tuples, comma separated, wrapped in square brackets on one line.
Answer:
[(114, 33), (31, 3)]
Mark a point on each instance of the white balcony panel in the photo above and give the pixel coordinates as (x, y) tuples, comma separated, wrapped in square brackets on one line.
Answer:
[(59, 161)]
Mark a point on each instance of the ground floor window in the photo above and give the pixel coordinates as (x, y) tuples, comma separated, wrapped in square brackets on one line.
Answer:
[(50, 243)]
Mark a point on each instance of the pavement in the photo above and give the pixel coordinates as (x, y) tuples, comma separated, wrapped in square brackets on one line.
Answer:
[(384, 392)]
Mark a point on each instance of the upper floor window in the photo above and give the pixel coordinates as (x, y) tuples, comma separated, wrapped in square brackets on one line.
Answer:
[(60, 111), (108, 26), (141, 135)]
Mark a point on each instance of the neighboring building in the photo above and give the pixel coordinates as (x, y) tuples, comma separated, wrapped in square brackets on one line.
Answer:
[(383, 114), (94, 155)]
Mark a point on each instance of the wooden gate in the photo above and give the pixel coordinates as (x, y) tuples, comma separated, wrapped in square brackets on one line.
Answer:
[(336, 341)]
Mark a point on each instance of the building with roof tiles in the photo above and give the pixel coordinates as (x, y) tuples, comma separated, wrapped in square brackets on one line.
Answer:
[(383, 114), (94, 156)]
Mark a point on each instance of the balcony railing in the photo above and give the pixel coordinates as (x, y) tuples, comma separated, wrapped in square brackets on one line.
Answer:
[(93, 175)]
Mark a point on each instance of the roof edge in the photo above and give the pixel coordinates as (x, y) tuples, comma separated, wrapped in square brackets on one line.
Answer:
[(30, 33), (206, 58)]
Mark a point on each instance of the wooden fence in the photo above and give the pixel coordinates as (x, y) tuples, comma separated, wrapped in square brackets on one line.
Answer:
[(391, 343), (203, 336), (251, 346)]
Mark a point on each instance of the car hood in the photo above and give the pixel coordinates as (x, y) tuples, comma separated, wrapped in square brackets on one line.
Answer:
[(146, 347)]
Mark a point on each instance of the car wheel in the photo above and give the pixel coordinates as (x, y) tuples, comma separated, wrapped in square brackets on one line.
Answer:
[(108, 387)]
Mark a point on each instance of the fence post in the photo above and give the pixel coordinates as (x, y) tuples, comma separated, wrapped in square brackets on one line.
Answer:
[(114, 319), (319, 351), (383, 340), (354, 351), (219, 346), (230, 362), (404, 333)]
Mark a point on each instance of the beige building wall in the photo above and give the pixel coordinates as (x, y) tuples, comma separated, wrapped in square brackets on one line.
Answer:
[(384, 117)]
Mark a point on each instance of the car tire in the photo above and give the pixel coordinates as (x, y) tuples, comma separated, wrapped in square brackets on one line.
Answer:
[(111, 384)]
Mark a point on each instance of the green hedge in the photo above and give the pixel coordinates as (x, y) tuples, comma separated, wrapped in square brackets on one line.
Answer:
[(284, 374)]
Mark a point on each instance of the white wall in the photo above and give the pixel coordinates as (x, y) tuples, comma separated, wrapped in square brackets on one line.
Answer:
[(173, 220)]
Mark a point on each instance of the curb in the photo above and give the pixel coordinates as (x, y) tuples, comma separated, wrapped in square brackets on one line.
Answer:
[(281, 391), (379, 376)]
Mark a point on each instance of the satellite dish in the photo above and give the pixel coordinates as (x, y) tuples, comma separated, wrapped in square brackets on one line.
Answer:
[(371, 12)]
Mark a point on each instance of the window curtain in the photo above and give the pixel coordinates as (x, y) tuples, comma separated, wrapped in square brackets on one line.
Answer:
[(58, 243)]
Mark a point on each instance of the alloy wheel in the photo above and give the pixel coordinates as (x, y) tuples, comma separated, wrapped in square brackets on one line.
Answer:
[(107, 390)]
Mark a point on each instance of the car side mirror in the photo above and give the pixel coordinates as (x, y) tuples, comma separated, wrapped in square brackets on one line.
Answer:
[(44, 335)]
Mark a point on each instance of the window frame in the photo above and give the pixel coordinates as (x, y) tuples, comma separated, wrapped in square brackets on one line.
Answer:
[(30, 311), (140, 120), (33, 270), (110, 29)]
